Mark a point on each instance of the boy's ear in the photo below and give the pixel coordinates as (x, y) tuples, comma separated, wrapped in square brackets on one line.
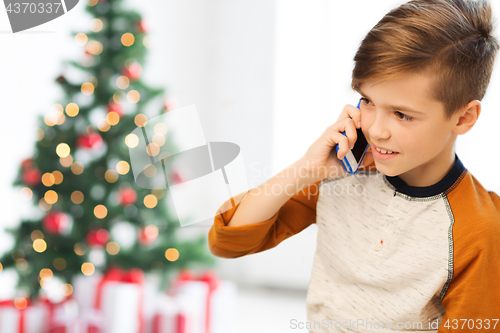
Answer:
[(467, 117)]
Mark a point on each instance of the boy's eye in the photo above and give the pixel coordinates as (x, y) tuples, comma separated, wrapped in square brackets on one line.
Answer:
[(365, 100), (402, 116), (399, 114)]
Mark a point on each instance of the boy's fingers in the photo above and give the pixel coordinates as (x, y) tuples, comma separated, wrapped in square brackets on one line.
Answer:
[(350, 131), (329, 136), (350, 111), (333, 137)]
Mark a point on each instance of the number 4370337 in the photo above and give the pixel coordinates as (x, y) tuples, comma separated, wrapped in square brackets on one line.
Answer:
[(33, 7), (478, 324)]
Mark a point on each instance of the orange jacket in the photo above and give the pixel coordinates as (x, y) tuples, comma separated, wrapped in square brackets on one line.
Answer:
[(387, 252)]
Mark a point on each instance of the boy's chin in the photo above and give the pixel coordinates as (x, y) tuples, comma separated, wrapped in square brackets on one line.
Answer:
[(386, 171)]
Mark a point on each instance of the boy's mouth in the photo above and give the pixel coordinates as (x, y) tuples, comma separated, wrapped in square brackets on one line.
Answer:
[(384, 151)]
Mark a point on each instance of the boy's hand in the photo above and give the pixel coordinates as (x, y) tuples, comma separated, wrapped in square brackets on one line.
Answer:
[(321, 161)]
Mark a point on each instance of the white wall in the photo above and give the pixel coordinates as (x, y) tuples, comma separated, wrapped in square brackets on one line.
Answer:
[(268, 75), (305, 51)]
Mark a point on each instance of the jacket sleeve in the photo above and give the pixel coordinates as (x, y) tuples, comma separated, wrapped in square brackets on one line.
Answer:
[(236, 241), (472, 301)]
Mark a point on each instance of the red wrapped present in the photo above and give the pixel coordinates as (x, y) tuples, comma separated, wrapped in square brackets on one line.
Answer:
[(116, 305), (172, 316), (62, 316), (211, 300), (22, 316)]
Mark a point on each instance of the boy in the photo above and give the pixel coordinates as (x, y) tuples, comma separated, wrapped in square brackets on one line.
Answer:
[(415, 244)]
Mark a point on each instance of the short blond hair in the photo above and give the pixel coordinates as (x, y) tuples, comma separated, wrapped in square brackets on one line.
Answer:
[(449, 39)]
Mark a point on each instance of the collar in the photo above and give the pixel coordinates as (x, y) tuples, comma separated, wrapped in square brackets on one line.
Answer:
[(453, 176)]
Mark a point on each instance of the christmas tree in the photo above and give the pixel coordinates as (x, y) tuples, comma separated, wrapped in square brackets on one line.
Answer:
[(91, 213)]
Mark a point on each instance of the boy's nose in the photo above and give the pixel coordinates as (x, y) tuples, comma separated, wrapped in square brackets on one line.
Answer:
[(379, 130)]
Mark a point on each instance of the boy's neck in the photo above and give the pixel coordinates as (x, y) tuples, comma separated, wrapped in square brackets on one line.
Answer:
[(432, 172)]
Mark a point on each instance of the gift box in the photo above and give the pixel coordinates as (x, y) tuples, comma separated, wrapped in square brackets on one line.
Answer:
[(29, 319), (223, 304), (113, 302), (173, 316), (212, 301), (62, 317)]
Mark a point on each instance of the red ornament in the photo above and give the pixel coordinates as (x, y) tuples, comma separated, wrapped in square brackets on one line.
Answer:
[(26, 163), (141, 26), (127, 196), (31, 176), (55, 222), (148, 234), (61, 79), (113, 107), (170, 104), (133, 71), (97, 237), (89, 141), (176, 178)]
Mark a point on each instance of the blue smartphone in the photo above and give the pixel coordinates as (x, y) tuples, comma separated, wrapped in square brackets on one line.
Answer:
[(354, 157)]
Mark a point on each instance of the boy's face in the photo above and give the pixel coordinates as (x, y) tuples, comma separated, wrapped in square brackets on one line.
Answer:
[(422, 140)]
